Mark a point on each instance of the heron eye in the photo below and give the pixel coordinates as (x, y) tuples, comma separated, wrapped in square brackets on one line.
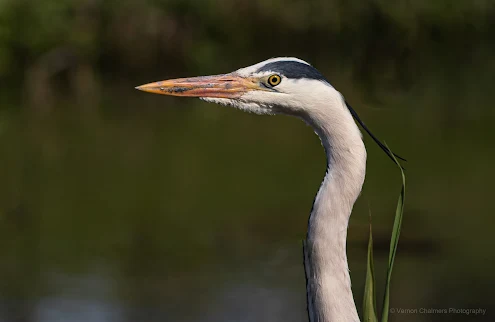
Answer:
[(274, 80)]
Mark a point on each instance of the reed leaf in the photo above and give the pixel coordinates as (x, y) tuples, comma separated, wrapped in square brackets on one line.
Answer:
[(394, 241), (369, 300)]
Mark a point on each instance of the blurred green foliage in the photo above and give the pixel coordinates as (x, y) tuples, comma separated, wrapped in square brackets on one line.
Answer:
[(139, 33)]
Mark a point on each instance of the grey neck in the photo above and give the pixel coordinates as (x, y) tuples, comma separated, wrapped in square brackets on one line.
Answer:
[(329, 291)]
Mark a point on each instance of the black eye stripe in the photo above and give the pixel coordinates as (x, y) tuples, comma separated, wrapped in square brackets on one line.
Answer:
[(292, 70)]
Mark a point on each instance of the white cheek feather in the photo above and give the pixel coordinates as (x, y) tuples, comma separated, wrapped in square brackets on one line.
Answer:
[(292, 96), (245, 106)]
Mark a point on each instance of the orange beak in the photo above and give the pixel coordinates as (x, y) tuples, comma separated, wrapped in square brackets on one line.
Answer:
[(219, 86)]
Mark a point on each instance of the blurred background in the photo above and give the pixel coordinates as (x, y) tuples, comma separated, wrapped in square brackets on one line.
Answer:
[(116, 205)]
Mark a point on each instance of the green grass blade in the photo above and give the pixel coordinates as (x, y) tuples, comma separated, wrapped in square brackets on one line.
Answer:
[(369, 302), (393, 242)]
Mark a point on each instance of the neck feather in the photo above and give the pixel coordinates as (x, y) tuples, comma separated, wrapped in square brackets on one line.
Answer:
[(327, 274)]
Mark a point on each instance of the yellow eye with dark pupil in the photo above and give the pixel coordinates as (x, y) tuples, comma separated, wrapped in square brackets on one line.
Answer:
[(274, 80)]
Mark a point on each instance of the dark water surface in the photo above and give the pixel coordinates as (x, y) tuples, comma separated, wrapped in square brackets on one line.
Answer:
[(144, 208)]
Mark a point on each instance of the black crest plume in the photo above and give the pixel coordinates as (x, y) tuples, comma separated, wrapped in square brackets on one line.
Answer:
[(385, 149)]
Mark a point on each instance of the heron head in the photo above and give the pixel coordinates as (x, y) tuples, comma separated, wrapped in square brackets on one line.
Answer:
[(274, 86)]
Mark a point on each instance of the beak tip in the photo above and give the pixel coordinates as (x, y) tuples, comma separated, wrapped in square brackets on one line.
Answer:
[(139, 88)]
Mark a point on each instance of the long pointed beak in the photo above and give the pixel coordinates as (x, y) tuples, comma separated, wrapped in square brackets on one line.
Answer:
[(220, 86)]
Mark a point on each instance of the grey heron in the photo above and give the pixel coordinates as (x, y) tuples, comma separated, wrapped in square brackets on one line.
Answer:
[(292, 86)]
